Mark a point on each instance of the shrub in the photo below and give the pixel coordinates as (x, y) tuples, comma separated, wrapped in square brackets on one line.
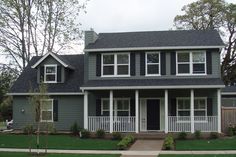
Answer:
[(28, 129), (52, 129), (182, 135), (169, 143), (214, 135), (197, 134), (116, 136), (126, 142), (75, 129), (85, 133), (230, 131), (100, 133)]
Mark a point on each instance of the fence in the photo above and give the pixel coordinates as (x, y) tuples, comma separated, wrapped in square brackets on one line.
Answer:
[(228, 117)]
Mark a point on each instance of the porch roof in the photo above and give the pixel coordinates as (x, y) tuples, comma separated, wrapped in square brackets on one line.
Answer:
[(153, 83)]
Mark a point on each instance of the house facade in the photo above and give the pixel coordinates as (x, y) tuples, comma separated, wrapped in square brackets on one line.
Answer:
[(166, 81)]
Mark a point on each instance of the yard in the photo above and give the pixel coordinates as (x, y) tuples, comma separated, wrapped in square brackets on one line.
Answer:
[(57, 142), (203, 155), (228, 143)]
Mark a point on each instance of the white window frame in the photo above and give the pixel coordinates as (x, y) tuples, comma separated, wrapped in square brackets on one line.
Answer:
[(205, 109), (45, 73), (115, 65), (190, 63), (146, 64), (41, 101)]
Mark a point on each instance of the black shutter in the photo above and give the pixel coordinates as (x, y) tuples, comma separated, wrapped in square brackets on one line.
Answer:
[(55, 110), (132, 64), (209, 107), (132, 107), (98, 107), (98, 65), (173, 63), (163, 63), (209, 62), (172, 107), (58, 73), (41, 76), (142, 63), (37, 111)]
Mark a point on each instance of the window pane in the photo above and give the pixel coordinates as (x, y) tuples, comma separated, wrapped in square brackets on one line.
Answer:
[(50, 69), (153, 69), (198, 57), (123, 59), (108, 59), (183, 68), (108, 70), (198, 68), (153, 58), (180, 106), (184, 113), (122, 69), (183, 57), (46, 106), (46, 115), (199, 113), (105, 104), (50, 77)]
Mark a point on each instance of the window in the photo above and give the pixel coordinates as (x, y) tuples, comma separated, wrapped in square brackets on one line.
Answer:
[(116, 64), (191, 62), (50, 73), (121, 107), (152, 63), (46, 112), (200, 107)]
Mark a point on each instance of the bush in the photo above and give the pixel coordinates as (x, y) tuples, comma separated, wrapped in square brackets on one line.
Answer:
[(197, 134), (100, 133), (28, 129), (52, 129), (214, 135), (116, 136), (85, 133), (182, 135), (126, 142), (75, 129), (230, 131), (169, 143)]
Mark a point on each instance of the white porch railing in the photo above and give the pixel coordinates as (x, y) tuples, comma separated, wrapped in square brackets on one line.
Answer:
[(183, 123), (120, 123)]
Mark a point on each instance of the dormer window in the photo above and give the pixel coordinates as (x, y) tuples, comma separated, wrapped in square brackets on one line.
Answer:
[(50, 73)]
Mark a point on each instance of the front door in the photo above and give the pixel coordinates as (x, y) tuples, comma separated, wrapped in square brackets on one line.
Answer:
[(153, 114)]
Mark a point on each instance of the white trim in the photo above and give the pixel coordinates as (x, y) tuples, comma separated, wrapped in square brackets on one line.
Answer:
[(166, 111), (152, 87), (219, 110), (86, 109), (146, 64), (75, 93), (111, 110), (45, 73), (152, 48), (228, 93), (136, 111), (46, 110), (45, 56), (192, 110)]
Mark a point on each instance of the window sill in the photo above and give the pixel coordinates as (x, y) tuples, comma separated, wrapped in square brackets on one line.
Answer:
[(191, 74), (152, 75), (115, 76)]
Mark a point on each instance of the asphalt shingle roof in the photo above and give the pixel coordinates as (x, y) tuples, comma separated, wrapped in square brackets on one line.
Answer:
[(157, 39), (229, 89)]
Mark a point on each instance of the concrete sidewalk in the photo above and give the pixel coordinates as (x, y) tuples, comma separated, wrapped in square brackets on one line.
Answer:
[(125, 153)]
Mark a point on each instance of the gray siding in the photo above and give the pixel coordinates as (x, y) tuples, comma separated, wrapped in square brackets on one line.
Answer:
[(70, 110)]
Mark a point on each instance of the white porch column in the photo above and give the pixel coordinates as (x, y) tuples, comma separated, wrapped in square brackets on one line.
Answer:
[(192, 110), (86, 109), (111, 111), (219, 109), (166, 111), (136, 111)]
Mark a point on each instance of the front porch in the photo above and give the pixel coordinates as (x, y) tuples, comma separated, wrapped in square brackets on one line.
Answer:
[(170, 110)]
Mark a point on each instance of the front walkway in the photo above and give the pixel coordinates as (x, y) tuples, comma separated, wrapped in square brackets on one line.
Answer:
[(147, 145)]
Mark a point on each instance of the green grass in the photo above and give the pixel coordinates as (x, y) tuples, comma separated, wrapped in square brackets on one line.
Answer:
[(9, 154), (203, 155), (217, 144), (56, 142)]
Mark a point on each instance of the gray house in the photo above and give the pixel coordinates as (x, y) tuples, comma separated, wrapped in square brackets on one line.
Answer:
[(165, 81)]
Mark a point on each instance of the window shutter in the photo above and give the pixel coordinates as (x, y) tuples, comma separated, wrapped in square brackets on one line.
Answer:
[(132, 107), (208, 62), (173, 63), (55, 110), (37, 112), (98, 65), (98, 107), (172, 107), (163, 63), (209, 107), (142, 63), (132, 64), (58, 73), (41, 76)]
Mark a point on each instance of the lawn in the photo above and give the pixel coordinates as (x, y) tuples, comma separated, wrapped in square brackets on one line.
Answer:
[(8, 154), (203, 155), (57, 142), (217, 144)]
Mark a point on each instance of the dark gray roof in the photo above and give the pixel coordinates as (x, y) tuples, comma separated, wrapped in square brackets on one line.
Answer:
[(229, 89), (154, 82), (28, 79), (157, 39)]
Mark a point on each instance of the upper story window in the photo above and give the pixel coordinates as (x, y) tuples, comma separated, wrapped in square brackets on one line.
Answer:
[(116, 64), (50, 73), (46, 110), (191, 63), (152, 63)]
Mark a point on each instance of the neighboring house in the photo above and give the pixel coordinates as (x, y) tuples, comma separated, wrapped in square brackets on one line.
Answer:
[(130, 82), (229, 96)]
